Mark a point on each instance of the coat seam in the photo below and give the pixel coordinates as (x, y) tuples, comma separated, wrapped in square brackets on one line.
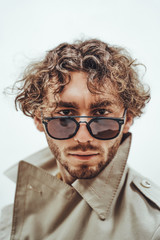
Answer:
[(157, 229), (118, 182), (14, 224)]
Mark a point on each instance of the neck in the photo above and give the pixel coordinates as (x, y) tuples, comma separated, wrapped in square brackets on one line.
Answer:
[(66, 177)]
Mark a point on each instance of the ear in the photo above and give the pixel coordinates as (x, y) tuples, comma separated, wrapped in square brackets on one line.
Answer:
[(38, 123), (128, 123)]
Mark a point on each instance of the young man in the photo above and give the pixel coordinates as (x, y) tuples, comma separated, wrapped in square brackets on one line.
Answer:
[(84, 97)]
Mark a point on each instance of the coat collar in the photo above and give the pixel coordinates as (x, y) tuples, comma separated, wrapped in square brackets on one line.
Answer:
[(99, 192)]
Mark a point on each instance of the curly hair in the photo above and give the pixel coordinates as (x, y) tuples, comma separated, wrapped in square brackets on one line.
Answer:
[(99, 60)]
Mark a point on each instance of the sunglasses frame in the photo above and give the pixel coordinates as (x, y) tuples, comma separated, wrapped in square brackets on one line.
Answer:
[(120, 121)]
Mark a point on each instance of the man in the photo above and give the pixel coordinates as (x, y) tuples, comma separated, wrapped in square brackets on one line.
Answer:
[(84, 97)]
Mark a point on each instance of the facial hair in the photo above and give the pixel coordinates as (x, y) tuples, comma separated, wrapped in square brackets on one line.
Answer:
[(85, 171)]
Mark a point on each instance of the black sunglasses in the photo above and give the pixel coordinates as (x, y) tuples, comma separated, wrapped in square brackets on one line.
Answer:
[(66, 127)]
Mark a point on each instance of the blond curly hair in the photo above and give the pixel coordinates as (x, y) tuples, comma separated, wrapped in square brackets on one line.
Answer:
[(99, 60)]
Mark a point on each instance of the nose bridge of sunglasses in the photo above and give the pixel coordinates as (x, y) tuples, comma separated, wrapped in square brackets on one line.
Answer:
[(83, 133), (83, 120)]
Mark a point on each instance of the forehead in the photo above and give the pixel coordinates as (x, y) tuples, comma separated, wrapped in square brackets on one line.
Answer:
[(77, 91)]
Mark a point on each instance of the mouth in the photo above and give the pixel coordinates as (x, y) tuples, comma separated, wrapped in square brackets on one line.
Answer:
[(83, 155)]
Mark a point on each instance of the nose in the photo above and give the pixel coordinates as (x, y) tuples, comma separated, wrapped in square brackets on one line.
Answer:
[(83, 134)]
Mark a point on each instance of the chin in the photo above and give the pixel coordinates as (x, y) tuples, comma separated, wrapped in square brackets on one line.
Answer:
[(85, 172)]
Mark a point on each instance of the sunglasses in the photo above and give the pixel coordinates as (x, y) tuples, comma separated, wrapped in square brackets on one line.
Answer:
[(66, 127)]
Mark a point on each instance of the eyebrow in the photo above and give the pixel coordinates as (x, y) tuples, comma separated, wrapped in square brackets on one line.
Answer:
[(99, 103), (67, 104)]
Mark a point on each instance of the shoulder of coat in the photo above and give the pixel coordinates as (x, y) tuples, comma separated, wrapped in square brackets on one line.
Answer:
[(148, 188)]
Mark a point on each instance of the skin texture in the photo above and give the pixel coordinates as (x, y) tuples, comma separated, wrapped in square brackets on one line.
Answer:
[(84, 156)]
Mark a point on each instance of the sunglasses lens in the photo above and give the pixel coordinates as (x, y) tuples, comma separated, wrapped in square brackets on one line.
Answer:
[(104, 128), (61, 128)]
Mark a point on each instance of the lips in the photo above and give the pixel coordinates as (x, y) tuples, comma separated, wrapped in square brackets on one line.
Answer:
[(83, 155)]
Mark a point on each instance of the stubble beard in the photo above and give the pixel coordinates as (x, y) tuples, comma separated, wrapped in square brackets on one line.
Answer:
[(85, 171)]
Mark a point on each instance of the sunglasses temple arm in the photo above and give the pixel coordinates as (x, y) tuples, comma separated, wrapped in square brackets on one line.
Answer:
[(125, 112)]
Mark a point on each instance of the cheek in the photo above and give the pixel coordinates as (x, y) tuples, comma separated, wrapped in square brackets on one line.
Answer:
[(53, 144), (56, 146), (110, 146), (107, 144)]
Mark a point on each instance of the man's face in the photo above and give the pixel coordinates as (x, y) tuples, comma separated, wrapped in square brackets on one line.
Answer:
[(83, 156)]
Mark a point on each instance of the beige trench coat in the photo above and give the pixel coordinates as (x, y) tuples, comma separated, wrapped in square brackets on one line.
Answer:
[(118, 204)]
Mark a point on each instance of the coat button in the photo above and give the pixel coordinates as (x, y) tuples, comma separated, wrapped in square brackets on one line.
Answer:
[(29, 186), (145, 183), (102, 217)]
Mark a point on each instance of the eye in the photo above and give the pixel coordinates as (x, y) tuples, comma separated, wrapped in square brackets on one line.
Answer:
[(101, 112), (65, 112)]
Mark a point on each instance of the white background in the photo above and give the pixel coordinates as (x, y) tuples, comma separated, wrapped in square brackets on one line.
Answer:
[(29, 28)]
